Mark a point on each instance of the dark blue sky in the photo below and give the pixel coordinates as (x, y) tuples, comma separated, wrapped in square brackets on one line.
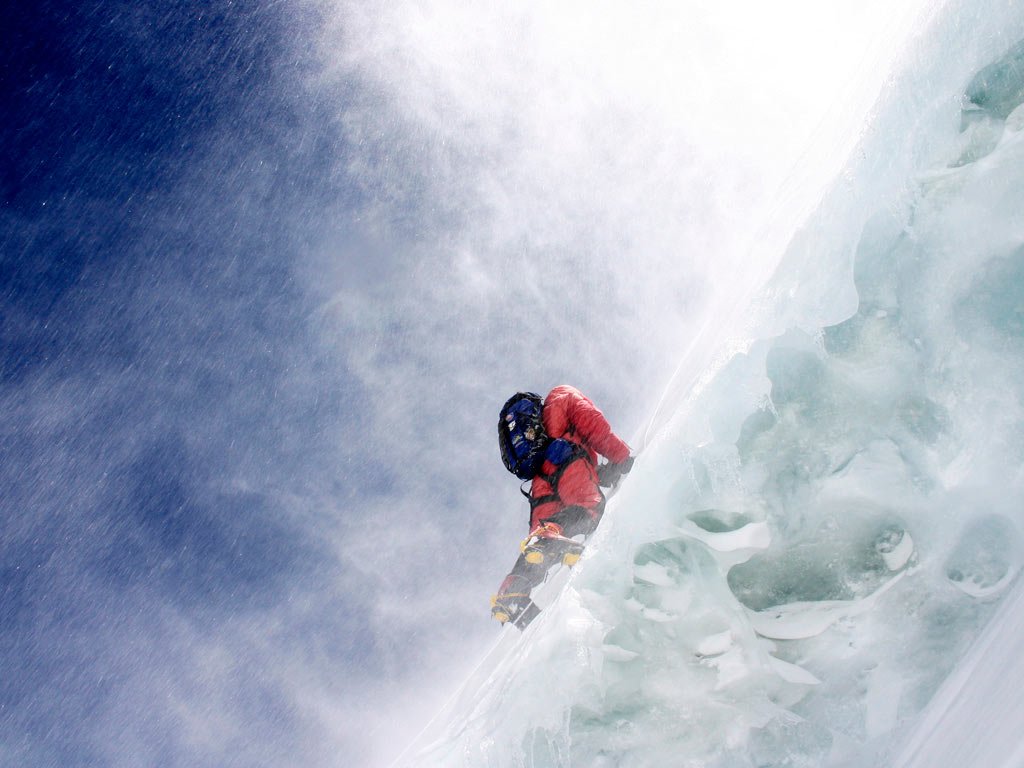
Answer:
[(161, 165)]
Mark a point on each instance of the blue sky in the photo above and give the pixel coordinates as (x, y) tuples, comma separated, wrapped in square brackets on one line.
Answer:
[(154, 199)]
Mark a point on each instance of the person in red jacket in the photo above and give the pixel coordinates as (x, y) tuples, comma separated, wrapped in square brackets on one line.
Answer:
[(565, 495)]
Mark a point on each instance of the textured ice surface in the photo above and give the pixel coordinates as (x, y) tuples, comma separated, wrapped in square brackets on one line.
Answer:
[(794, 589)]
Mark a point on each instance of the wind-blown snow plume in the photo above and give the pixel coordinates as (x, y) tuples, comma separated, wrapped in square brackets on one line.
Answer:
[(553, 194)]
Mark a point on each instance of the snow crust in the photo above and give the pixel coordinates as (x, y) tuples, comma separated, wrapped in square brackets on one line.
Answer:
[(800, 567)]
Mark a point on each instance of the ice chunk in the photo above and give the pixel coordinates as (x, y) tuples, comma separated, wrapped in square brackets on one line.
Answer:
[(715, 644), (803, 620), (792, 673), (987, 557)]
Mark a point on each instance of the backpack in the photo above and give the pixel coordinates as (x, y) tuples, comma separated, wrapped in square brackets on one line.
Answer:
[(521, 435)]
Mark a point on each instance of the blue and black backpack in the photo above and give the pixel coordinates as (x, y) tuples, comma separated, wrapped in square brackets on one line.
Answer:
[(521, 435), (525, 445)]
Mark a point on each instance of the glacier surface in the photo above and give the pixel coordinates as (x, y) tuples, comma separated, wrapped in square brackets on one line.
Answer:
[(802, 566)]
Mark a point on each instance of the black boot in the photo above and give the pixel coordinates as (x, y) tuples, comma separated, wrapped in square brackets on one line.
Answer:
[(512, 599)]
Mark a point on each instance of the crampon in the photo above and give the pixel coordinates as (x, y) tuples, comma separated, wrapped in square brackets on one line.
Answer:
[(547, 545)]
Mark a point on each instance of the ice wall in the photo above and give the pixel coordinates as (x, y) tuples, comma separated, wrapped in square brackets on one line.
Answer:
[(808, 548)]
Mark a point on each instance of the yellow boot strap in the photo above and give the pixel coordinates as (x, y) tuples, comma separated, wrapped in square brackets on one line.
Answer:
[(495, 598)]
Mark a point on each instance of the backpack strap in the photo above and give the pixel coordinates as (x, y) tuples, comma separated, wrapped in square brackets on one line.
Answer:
[(575, 453)]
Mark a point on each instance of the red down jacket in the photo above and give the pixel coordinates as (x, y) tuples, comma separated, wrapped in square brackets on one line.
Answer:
[(570, 414)]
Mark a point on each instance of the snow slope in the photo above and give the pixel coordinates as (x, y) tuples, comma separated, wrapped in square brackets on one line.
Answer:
[(984, 691), (801, 568)]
